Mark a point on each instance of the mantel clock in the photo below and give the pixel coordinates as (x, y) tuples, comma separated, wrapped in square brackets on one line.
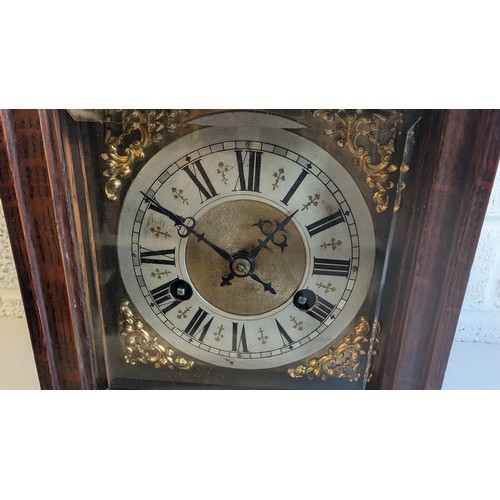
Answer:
[(262, 249)]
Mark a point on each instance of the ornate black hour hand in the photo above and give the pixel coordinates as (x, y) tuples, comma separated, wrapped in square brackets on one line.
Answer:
[(271, 237), (188, 227), (267, 286), (226, 280)]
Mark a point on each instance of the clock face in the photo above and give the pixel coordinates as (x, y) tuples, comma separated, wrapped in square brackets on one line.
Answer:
[(246, 248)]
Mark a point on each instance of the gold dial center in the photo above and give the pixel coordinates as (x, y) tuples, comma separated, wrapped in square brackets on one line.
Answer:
[(237, 227)]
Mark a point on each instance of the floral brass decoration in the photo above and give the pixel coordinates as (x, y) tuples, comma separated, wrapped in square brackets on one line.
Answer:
[(142, 347), (123, 150), (343, 361), (355, 131)]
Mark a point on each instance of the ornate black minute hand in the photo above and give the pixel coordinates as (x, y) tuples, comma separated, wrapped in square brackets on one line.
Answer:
[(280, 226), (189, 228), (240, 269)]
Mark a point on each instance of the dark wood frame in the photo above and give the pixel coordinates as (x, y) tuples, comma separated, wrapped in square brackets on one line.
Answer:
[(456, 168), (456, 165), (43, 223)]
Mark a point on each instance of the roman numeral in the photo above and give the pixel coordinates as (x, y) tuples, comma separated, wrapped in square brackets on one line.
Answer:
[(162, 295), (241, 343), (154, 257), (295, 186), (331, 267), (284, 336), (204, 185), (252, 182), (325, 223), (321, 309), (194, 326)]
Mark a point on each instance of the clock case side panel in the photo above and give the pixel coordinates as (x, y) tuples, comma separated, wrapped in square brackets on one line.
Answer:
[(39, 194), (454, 172)]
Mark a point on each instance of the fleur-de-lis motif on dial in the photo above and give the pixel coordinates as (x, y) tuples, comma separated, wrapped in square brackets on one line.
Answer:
[(179, 195), (296, 324), (279, 177), (262, 338), (313, 201)]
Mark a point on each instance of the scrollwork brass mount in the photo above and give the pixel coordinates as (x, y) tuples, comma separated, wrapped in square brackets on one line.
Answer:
[(343, 361), (370, 138), (122, 151), (142, 347)]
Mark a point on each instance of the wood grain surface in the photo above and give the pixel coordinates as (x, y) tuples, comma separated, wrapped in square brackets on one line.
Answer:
[(457, 162), (39, 207)]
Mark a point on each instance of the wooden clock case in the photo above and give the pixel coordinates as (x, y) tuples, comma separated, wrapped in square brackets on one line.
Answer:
[(455, 164)]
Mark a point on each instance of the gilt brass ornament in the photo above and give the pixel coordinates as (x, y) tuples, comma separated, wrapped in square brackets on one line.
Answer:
[(122, 150), (142, 347), (370, 138), (343, 361)]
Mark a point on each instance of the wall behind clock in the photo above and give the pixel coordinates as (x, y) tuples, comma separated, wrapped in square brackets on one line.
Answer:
[(10, 298), (480, 316), (17, 364), (475, 356), (474, 360)]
